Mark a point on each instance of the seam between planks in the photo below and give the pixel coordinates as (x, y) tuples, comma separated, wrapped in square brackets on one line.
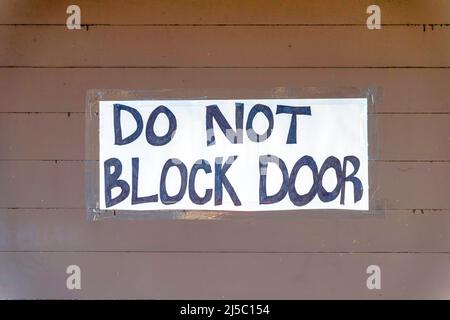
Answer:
[(87, 160), (68, 113), (88, 25), (226, 252), (221, 67)]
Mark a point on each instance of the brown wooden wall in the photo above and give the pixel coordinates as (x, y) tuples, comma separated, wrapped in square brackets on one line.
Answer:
[(45, 71)]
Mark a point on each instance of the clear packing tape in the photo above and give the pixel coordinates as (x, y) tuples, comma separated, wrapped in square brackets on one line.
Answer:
[(231, 153)]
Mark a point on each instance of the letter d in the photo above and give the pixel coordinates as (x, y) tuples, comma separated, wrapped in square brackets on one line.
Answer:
[(263, 197), (118, 139)]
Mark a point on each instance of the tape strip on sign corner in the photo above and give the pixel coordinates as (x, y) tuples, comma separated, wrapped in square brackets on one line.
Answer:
[(233, 155)]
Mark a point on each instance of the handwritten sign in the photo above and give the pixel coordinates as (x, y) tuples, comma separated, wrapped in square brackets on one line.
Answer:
[(240, 155)]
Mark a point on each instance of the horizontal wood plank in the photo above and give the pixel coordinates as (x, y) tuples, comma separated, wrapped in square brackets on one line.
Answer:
[(223, 275), (248, 46), (224, 12), (64, 90), (60, 184), (61, 136), (309, 231), (45, 70)]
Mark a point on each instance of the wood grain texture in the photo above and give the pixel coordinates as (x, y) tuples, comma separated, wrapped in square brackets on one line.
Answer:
[(223, 275), (61, 136), (60, 184), (64, 90), (304, 231), (45, 71), (212, 46), (224, 12)]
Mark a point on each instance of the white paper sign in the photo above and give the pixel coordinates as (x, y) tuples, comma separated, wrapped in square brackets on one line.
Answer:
[(240, 155)]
